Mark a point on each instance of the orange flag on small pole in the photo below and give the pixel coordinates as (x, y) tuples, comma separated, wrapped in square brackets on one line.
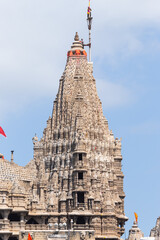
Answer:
[(89, 8), (29, 236), (136, 217)]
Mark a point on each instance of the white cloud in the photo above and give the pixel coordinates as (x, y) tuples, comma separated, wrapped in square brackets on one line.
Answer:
[(120, 26), (127, 12), (148, 127), (35, 36), (113, 94)]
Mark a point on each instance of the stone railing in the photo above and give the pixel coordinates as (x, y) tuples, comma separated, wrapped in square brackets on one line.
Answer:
[(36, 227), (2, 225), (120, 230), (15, 226), (83, 227), (80, 206), (79, 183)]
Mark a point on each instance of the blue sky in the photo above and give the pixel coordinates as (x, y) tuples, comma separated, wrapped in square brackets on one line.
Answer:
[(35, 37)]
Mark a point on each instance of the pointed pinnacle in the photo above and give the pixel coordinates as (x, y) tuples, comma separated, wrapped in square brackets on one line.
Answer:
[(76, 38)]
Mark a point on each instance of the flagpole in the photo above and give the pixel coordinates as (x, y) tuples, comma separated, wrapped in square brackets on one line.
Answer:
[(89, 22), (90, 45)]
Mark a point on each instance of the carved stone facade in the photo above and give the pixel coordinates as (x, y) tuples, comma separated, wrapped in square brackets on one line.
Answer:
[(74, 184), (155, 232), (135, 233)]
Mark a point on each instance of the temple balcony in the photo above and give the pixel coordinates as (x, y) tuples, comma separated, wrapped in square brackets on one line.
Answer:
[(3, 226), (81, 206), (79, 184), (83, 227), (15, 227), (120, 230), (36, 227), (82, 223)]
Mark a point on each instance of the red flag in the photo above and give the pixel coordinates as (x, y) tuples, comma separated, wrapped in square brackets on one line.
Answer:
[(2, 132), (29, 236)]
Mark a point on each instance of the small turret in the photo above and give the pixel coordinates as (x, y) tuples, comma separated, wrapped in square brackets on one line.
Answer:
[(135, 233), (76, 38), (12, 156)]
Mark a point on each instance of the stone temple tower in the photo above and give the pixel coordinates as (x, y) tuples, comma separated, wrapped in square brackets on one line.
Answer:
[(73, 188), (79, 179)]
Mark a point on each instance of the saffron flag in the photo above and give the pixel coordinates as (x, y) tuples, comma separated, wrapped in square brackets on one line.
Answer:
[(2, 132), (136, 217), (29, 236), (89, 8)]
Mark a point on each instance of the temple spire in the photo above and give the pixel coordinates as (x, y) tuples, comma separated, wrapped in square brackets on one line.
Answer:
[(76, 38)]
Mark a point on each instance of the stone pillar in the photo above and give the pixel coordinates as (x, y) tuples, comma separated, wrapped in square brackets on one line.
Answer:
[(5, 215), (76, 199), (6, 236), (34, 191), (41, 194), (71, 224), (85, 203), (74, 221), (12, 156), (22, 217), (22, 223), (86, 222)]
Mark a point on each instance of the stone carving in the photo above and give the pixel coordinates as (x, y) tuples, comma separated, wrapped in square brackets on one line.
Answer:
[(155, 232), (75, 177), (135, 233), (82, 236)]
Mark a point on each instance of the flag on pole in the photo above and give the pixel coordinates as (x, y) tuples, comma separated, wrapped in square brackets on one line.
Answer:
[(29, 236), (2, 132), (89, 8), (136, 217)]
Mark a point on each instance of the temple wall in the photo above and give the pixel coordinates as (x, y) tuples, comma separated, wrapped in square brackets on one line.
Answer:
[(58, 235)]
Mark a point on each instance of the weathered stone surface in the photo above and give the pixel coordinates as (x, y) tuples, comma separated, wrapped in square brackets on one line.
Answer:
[(75, 181), (135, 233), (155, 232)]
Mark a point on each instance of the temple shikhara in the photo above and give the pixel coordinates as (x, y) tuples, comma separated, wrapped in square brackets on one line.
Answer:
[(155, 232), (73, 187)]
